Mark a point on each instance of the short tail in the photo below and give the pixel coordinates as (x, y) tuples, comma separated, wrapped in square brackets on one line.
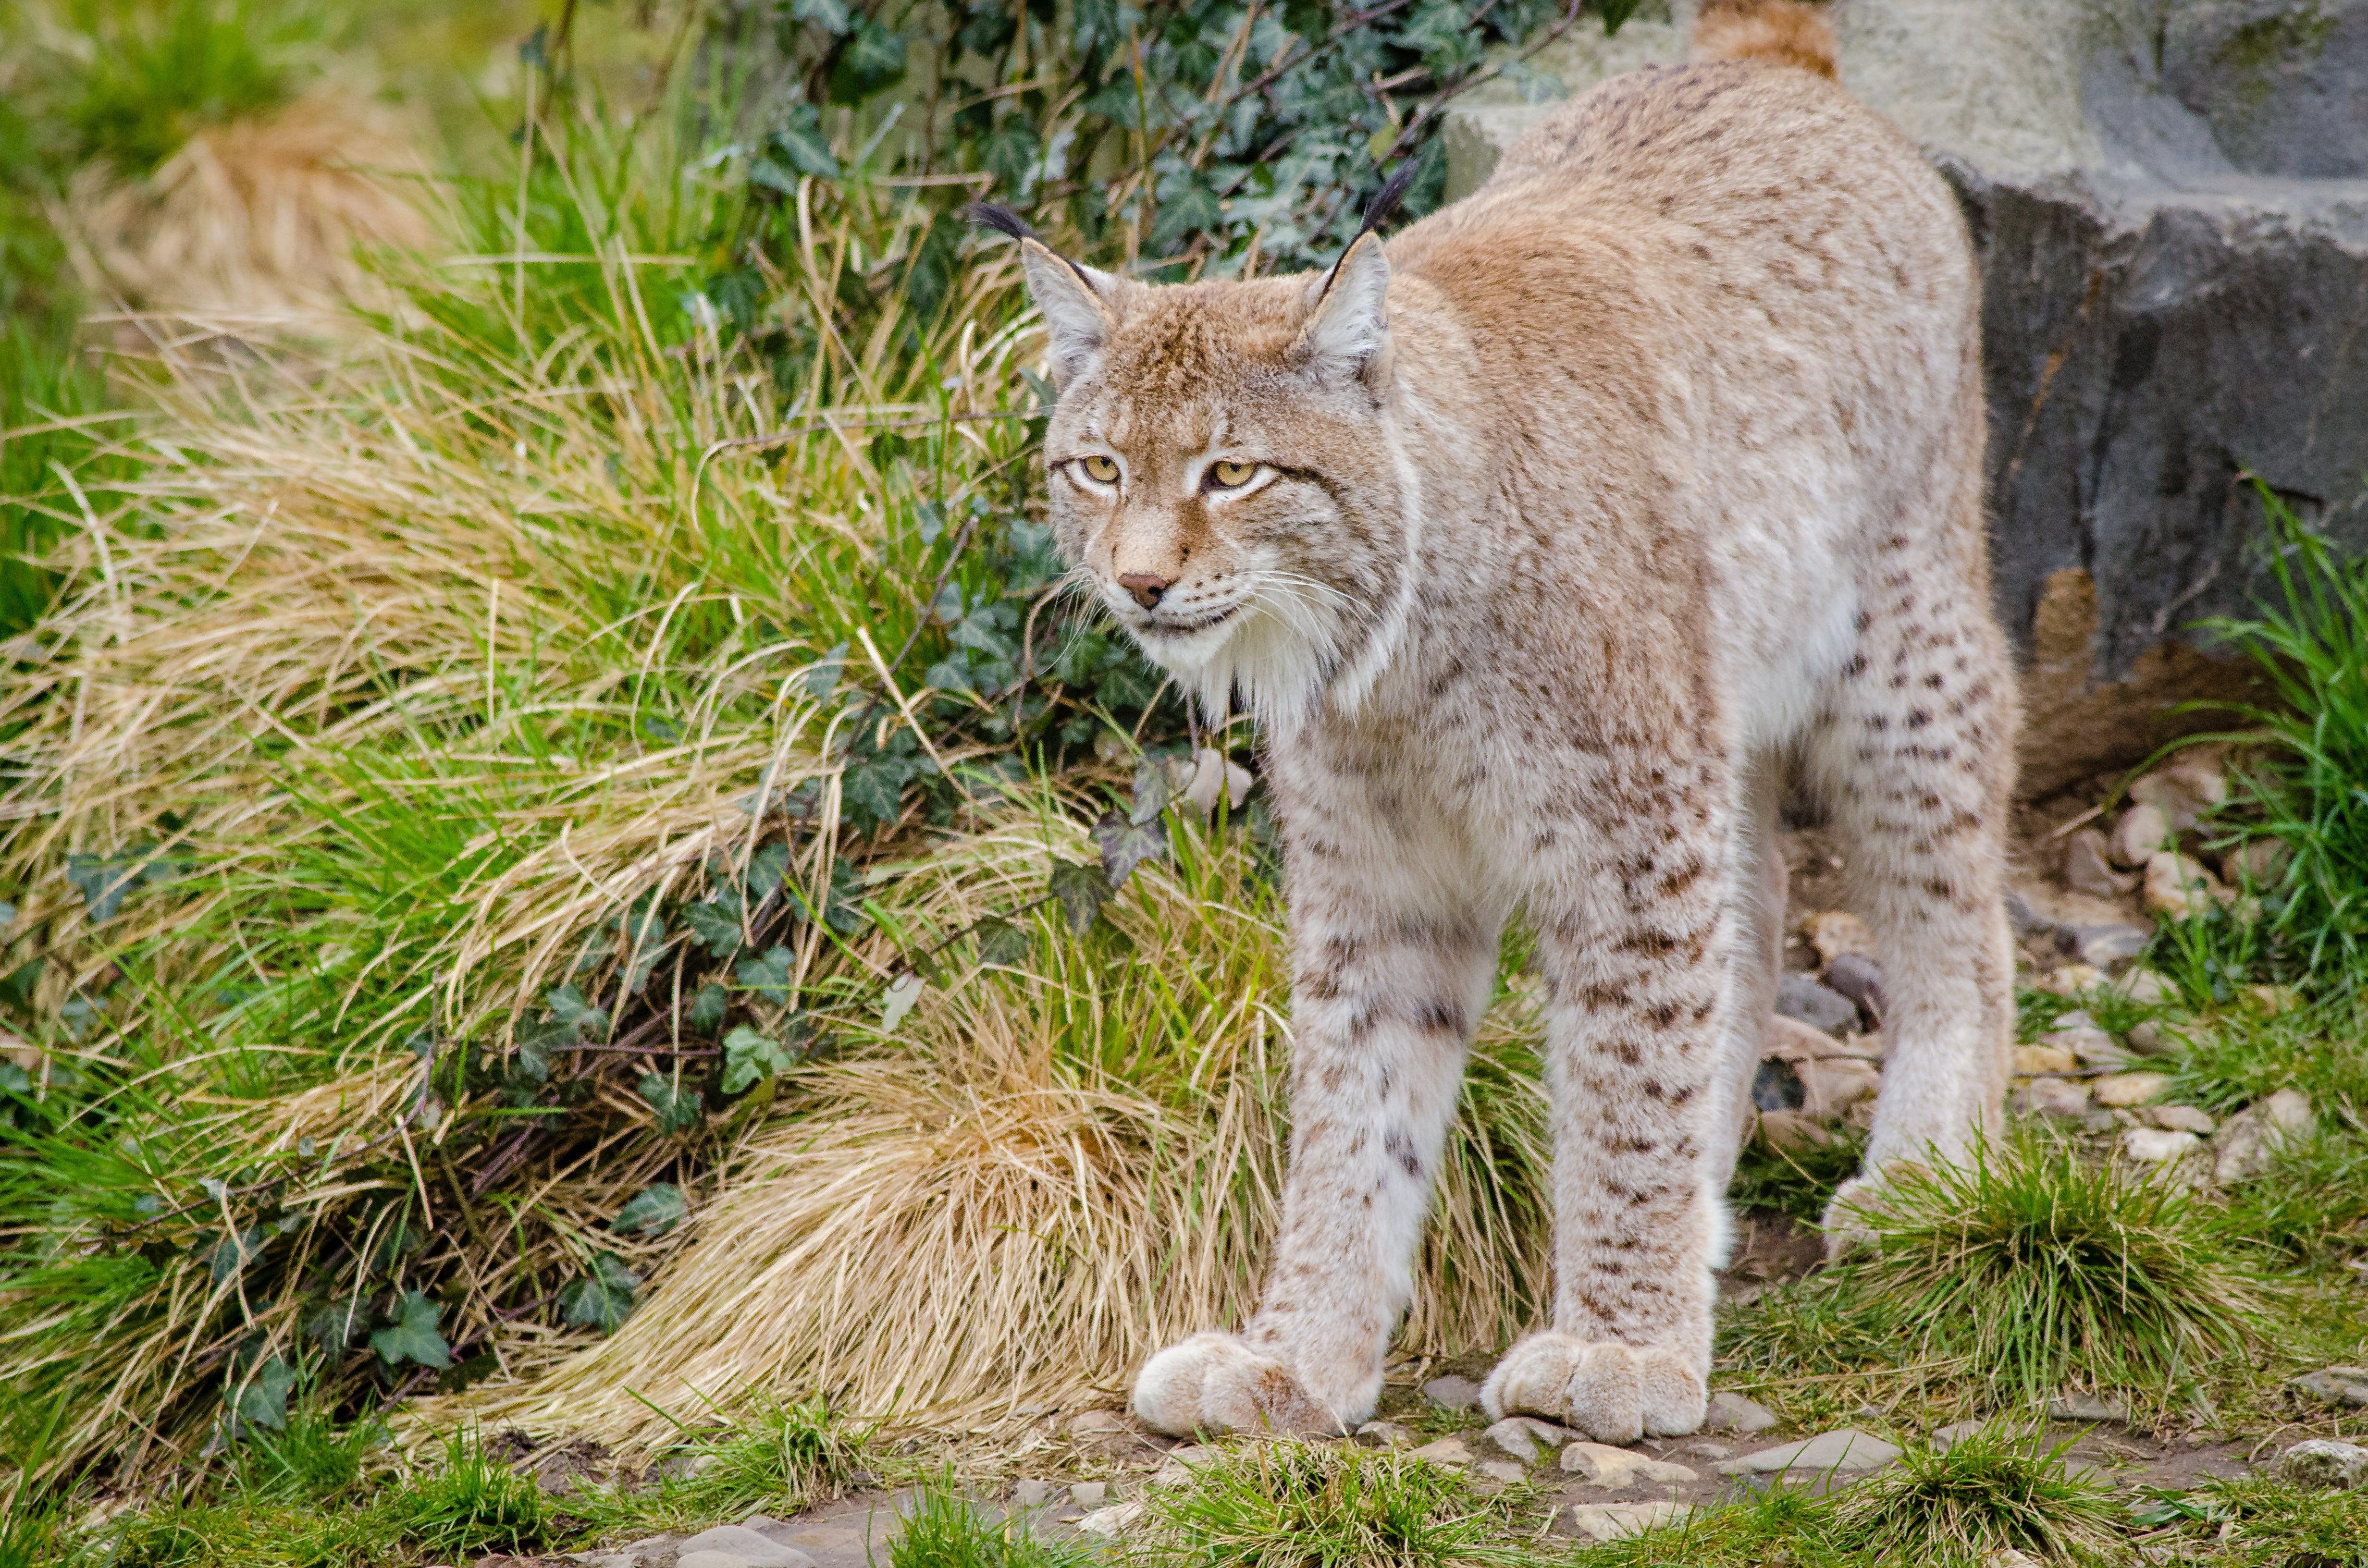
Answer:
[(1782, 32)]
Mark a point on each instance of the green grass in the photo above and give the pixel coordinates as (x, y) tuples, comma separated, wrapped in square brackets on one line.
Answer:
[(1990, 1491), (943, 1528), (1797, 1182), (1296, 1504)]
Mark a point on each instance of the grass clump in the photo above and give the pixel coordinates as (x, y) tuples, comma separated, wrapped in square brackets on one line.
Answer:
[(2255, 1521), (773, 1456), (2021, 1272), (475, 1503), (1990, 1491), (945, 1529), (1296, 1504), (1796, 1182)]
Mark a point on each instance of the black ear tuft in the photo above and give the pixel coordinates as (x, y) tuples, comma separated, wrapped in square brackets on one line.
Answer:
[(1002, 220), (1384, 204)]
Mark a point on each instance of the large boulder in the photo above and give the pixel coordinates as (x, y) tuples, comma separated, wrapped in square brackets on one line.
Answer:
[(2170, 202)]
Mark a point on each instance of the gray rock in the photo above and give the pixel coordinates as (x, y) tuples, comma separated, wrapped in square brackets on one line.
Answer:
[(1447, 1451), (1611, 1521), (2170, 203), (1845, 1449), (1384, 1434), (1176, 1469), (1732, 1413), (1798, 996), (1111, 1520), (2085, 1407), (2337, 1385), (1525, 1438), (1860, 978), (1090, 1493), (1453, 1393), (2331, 1466), (650, 1552), (1033, 1491), (2105, 946), (1945, 1438), (1505, 1471), (2249, 1141), (737, 1544), (1603, 1465)]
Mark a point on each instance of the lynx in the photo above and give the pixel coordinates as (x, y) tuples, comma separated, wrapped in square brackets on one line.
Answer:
[(1546, 540)]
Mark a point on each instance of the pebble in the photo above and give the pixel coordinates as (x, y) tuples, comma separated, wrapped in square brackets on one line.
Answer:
[(2329, 1466), (1086, 1422), (2008, 1557), (1525, 1438), (1836, 931), (1803, 999), (1708, 1450), (1110, 1520), (1790, 1129), (2090, 1046), (650, 1548), (1447, 1451), (1176, 1469), (1384, 1434), (1945, 1438), (1732, 1413), (2085, 1407), (2259, 861), (2102, 946), (1452, 1393), (2146, 1038), (1600, 1464), (2139, 835), (2158, 1146), (1507, 1471), (2339, 1385), (2130, 1089), (2145, 987), (2089, 868), (1090, 1493), (1611, 1521), (1832, 1084), (737, 1546), (2275, 999), (2183, 790), (1860, 978), (2181, 1119), (1844, 1448), (2066, 1097), (2248, 1141), (1032, 1493), (2032, 1060), (2180, 888)]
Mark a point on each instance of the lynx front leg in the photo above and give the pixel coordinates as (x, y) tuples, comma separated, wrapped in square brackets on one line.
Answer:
[(1384, 1001), (1639, 949)]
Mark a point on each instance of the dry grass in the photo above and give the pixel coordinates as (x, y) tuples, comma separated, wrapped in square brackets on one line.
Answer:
[(1049, 1172)]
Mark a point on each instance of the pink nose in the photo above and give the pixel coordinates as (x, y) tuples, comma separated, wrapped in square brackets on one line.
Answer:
[(1145, 588)]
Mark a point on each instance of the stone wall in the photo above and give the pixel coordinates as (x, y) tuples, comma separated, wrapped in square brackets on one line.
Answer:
[(2170, 202)]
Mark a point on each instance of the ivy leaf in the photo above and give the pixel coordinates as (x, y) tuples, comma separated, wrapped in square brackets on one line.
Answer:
[(1082, 890), (716, 926), (707, 1009), (1126, 844), (1000, 942), (535, 1043), (19, 983), (568, 1005), (749, 1056), (1155, 786), (769, 976), (656, 1210), (230, 1253), (767, 868), (897, 1001), (830, 16), (331, 1325), (823, 679), (604, 1298), (102, 882), (872, 61), (412, 1335), (802, 143), (874, 788), (677, 1106), (263, 1401)]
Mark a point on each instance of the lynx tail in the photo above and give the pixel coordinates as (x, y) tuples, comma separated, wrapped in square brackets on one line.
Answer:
[(1782, 32)]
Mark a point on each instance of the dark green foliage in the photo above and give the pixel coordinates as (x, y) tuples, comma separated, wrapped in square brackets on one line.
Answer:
[(473, 1503), (1990, 1491), (1294, 1504), (1797, 1182)]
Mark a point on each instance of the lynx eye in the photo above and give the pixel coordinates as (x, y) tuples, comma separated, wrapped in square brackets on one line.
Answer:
[(1099, 468), (1230, 476)]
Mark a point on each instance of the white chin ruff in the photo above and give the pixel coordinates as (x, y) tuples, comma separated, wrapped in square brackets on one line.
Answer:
[(1274, 667)]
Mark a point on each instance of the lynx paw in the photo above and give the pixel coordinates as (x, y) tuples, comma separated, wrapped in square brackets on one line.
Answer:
[(1213, 1382), (1615, 1394), (1846, 1222)]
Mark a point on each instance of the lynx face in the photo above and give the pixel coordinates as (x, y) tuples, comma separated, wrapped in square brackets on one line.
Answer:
[(1221, 473)]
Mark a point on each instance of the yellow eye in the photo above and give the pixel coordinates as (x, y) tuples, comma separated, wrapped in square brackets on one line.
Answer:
[(1230, 476), (1099, 468)]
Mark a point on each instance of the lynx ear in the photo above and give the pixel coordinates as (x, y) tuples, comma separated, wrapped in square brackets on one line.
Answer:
[(1079, 304), (1348, 327)]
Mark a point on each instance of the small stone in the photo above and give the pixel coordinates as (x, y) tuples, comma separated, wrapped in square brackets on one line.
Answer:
[(1452, 1393), (2249, 1141), (737, 1544), (2085, 1407), (1611, 1521), (650, 1550), (2337, 1386), (2181, 1119), (1732, 1413), (2032, 1060), (2328, 1465), (2147, 1037), (1033, 1493), (2130, 1089), (1600, 1464), (1384, 1434), (1091, 1422), (1946, 1437), (2179, 887), (1827, 1011), (1176, 1469), (1090, 1493), (2183, 791), (2104, 947), (1446, 1452), (2145, 987), (2140, 836), (1844, 1448), (2090, 1046), (1836, 931), (2158, 1145), (1110, 1520), (2066, 1097), (2258, 863), (1860, 978), (1525, 1438), (1505, 1470), (2072, 980), (2275, 999), (2008, 1557), (1790, 1130), (1832, 1084), (2125, 1119), (2087, 867), (1708, 1450)]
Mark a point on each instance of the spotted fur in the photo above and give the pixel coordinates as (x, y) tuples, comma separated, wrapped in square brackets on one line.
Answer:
[(1578, 512)]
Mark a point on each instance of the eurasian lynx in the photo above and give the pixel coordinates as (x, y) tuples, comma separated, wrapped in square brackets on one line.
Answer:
[(1541, 541)]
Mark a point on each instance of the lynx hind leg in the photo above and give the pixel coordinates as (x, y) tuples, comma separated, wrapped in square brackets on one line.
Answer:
[(1216, 1382), (1917, 762)]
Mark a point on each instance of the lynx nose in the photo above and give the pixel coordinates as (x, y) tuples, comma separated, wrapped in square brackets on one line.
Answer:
[(1145, 588)]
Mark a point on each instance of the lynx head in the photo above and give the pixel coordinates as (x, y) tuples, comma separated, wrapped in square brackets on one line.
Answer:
[(1222, 467)]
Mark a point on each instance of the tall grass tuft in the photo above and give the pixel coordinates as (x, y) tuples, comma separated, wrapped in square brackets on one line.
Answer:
[(1989, 1492), (1296, 1504)]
